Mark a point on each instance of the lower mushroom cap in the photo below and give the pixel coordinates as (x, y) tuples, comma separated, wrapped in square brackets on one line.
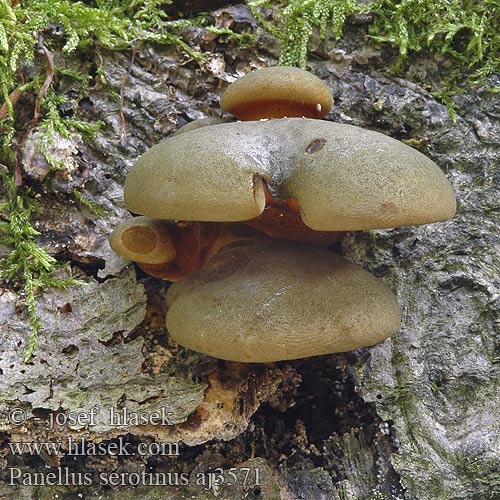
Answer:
[(266, 300)]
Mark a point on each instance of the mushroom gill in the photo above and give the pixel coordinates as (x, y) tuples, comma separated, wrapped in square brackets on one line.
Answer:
[(277, 92)]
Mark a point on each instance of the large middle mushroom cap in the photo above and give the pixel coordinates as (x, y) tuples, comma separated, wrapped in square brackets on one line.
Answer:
[(343, 177)]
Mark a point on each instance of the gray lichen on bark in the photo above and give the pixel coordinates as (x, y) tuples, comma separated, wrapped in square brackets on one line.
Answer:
[(438, 379), (77, 367)]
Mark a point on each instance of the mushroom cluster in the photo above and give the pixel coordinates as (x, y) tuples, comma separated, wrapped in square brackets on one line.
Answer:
[(240, 215)]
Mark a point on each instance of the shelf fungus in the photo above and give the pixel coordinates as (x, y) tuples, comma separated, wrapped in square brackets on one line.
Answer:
[(269, 300), (218, 201)]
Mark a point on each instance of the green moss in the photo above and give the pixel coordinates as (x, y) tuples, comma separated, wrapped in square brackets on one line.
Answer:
[(465, 31), (88, 203), (27, 266), (243, 39), (297, 20), (30, 32)]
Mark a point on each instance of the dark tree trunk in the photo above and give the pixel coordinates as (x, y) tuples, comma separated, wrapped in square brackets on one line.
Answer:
[(416, 417)]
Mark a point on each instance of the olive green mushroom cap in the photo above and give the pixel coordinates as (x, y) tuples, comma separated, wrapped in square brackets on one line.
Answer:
[(263, 301), (343, 177), (279, 84), (143, 240)]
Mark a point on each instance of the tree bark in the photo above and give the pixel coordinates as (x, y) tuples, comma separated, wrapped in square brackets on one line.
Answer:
[(416, 417)]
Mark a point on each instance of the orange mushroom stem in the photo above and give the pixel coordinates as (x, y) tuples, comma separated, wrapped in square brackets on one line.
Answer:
[(171, 250), (192, 241), (282, 220)]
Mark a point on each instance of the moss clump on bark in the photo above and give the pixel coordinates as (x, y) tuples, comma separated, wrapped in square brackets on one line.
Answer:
[(463, 30), (29, 33), (27, 263)]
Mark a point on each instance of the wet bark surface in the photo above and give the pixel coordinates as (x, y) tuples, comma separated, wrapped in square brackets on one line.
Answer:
[(416, 417)]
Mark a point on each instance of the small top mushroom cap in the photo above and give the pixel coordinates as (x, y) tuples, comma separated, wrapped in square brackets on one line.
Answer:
[(344, 178), (143, 240), (268, 300), (280, 91)]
